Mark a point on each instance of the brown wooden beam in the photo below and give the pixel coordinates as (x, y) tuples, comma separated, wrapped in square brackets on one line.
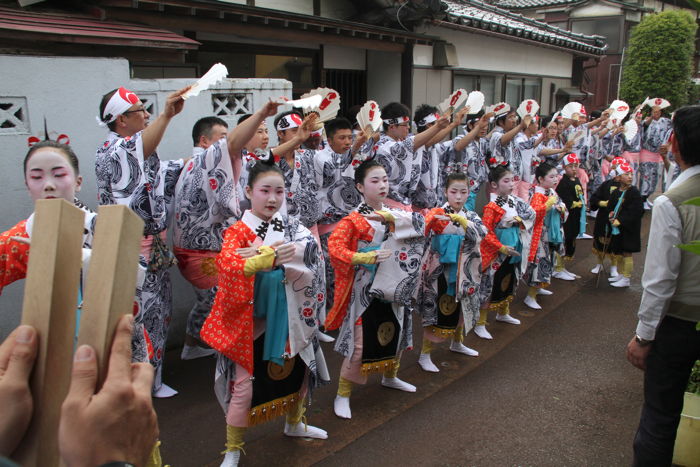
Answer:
[(230, 9), (34, 47), (95, 40), (239, 29)]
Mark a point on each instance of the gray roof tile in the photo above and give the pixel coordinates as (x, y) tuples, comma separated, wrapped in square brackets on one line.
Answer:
[(480, 15)]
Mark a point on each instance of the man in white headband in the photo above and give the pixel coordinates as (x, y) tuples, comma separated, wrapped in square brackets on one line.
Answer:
[(529, 151), (436, 156), (655, 131), (301, 181), (207, 201), (397, 152), (579, 132), (129, 172)]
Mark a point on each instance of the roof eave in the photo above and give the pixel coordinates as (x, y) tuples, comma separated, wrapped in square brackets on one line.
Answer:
[(594, 52), (286, 19)]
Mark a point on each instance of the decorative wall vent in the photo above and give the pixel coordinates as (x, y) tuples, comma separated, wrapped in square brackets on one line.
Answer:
[(232, 104), (13, 115)]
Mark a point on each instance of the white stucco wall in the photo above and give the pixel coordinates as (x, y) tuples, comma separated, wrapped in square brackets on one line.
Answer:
[(423, 55), (595, 9), (384, 76), (486, 53), (431, 86), (67, 91)]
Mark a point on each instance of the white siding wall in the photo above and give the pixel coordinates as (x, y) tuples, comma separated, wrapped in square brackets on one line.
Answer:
[(423, 55), (430, 86), (549, 101), (67, 91), (596, 9), (482, 52)]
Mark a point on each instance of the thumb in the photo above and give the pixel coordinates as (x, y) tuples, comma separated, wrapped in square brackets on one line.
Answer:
[(83, 377), (23, 354)]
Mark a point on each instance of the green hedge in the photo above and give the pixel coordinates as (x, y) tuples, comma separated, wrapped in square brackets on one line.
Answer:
[(659, 59)]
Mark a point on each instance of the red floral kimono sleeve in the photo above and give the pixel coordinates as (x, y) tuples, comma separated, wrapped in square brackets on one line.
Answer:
[(490, 244), (229, 326), (342, 245), (14, 256), (538, 203), (432, 223)]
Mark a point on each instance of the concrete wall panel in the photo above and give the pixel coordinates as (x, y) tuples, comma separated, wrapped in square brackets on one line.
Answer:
[(67, 91)]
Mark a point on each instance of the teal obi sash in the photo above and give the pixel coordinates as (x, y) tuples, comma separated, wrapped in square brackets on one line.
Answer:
[(582, 220), (553, 222), (448, 247), (370, 267), (470, 205), (270, 303), (510, 236), (616, 230)]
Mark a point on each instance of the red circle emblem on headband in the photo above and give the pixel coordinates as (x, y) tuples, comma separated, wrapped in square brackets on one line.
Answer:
[(295, 118), (128, 96)]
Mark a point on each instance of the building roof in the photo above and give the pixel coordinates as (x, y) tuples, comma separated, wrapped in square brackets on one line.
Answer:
[(527, 4), (534, 4), (474, 15), (84, 29), (321, 28)]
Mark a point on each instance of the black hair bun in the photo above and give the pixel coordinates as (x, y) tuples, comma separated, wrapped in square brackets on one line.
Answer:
[(264, 157)]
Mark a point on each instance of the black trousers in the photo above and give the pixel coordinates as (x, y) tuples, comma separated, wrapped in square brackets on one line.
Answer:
[(671, 358)]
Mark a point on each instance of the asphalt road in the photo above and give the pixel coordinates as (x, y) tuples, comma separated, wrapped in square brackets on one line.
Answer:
[(554, 391)]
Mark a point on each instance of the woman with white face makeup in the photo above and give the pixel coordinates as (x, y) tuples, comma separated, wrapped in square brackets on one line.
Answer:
[(375, 252), (504, 250), (263, 321), (448, 291), (51, 171), (548, 234)]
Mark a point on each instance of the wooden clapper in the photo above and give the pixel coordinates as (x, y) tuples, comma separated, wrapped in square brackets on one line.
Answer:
[(50, 302)]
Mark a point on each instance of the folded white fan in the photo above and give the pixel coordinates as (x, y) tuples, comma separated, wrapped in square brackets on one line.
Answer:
[(658, 102), (329, 105), (215, 74), (570, 109), (453, 101), (475, 102), (620, 109), (304, 103), (498, 110), (370, 115), (528, 107), (631, 130)]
